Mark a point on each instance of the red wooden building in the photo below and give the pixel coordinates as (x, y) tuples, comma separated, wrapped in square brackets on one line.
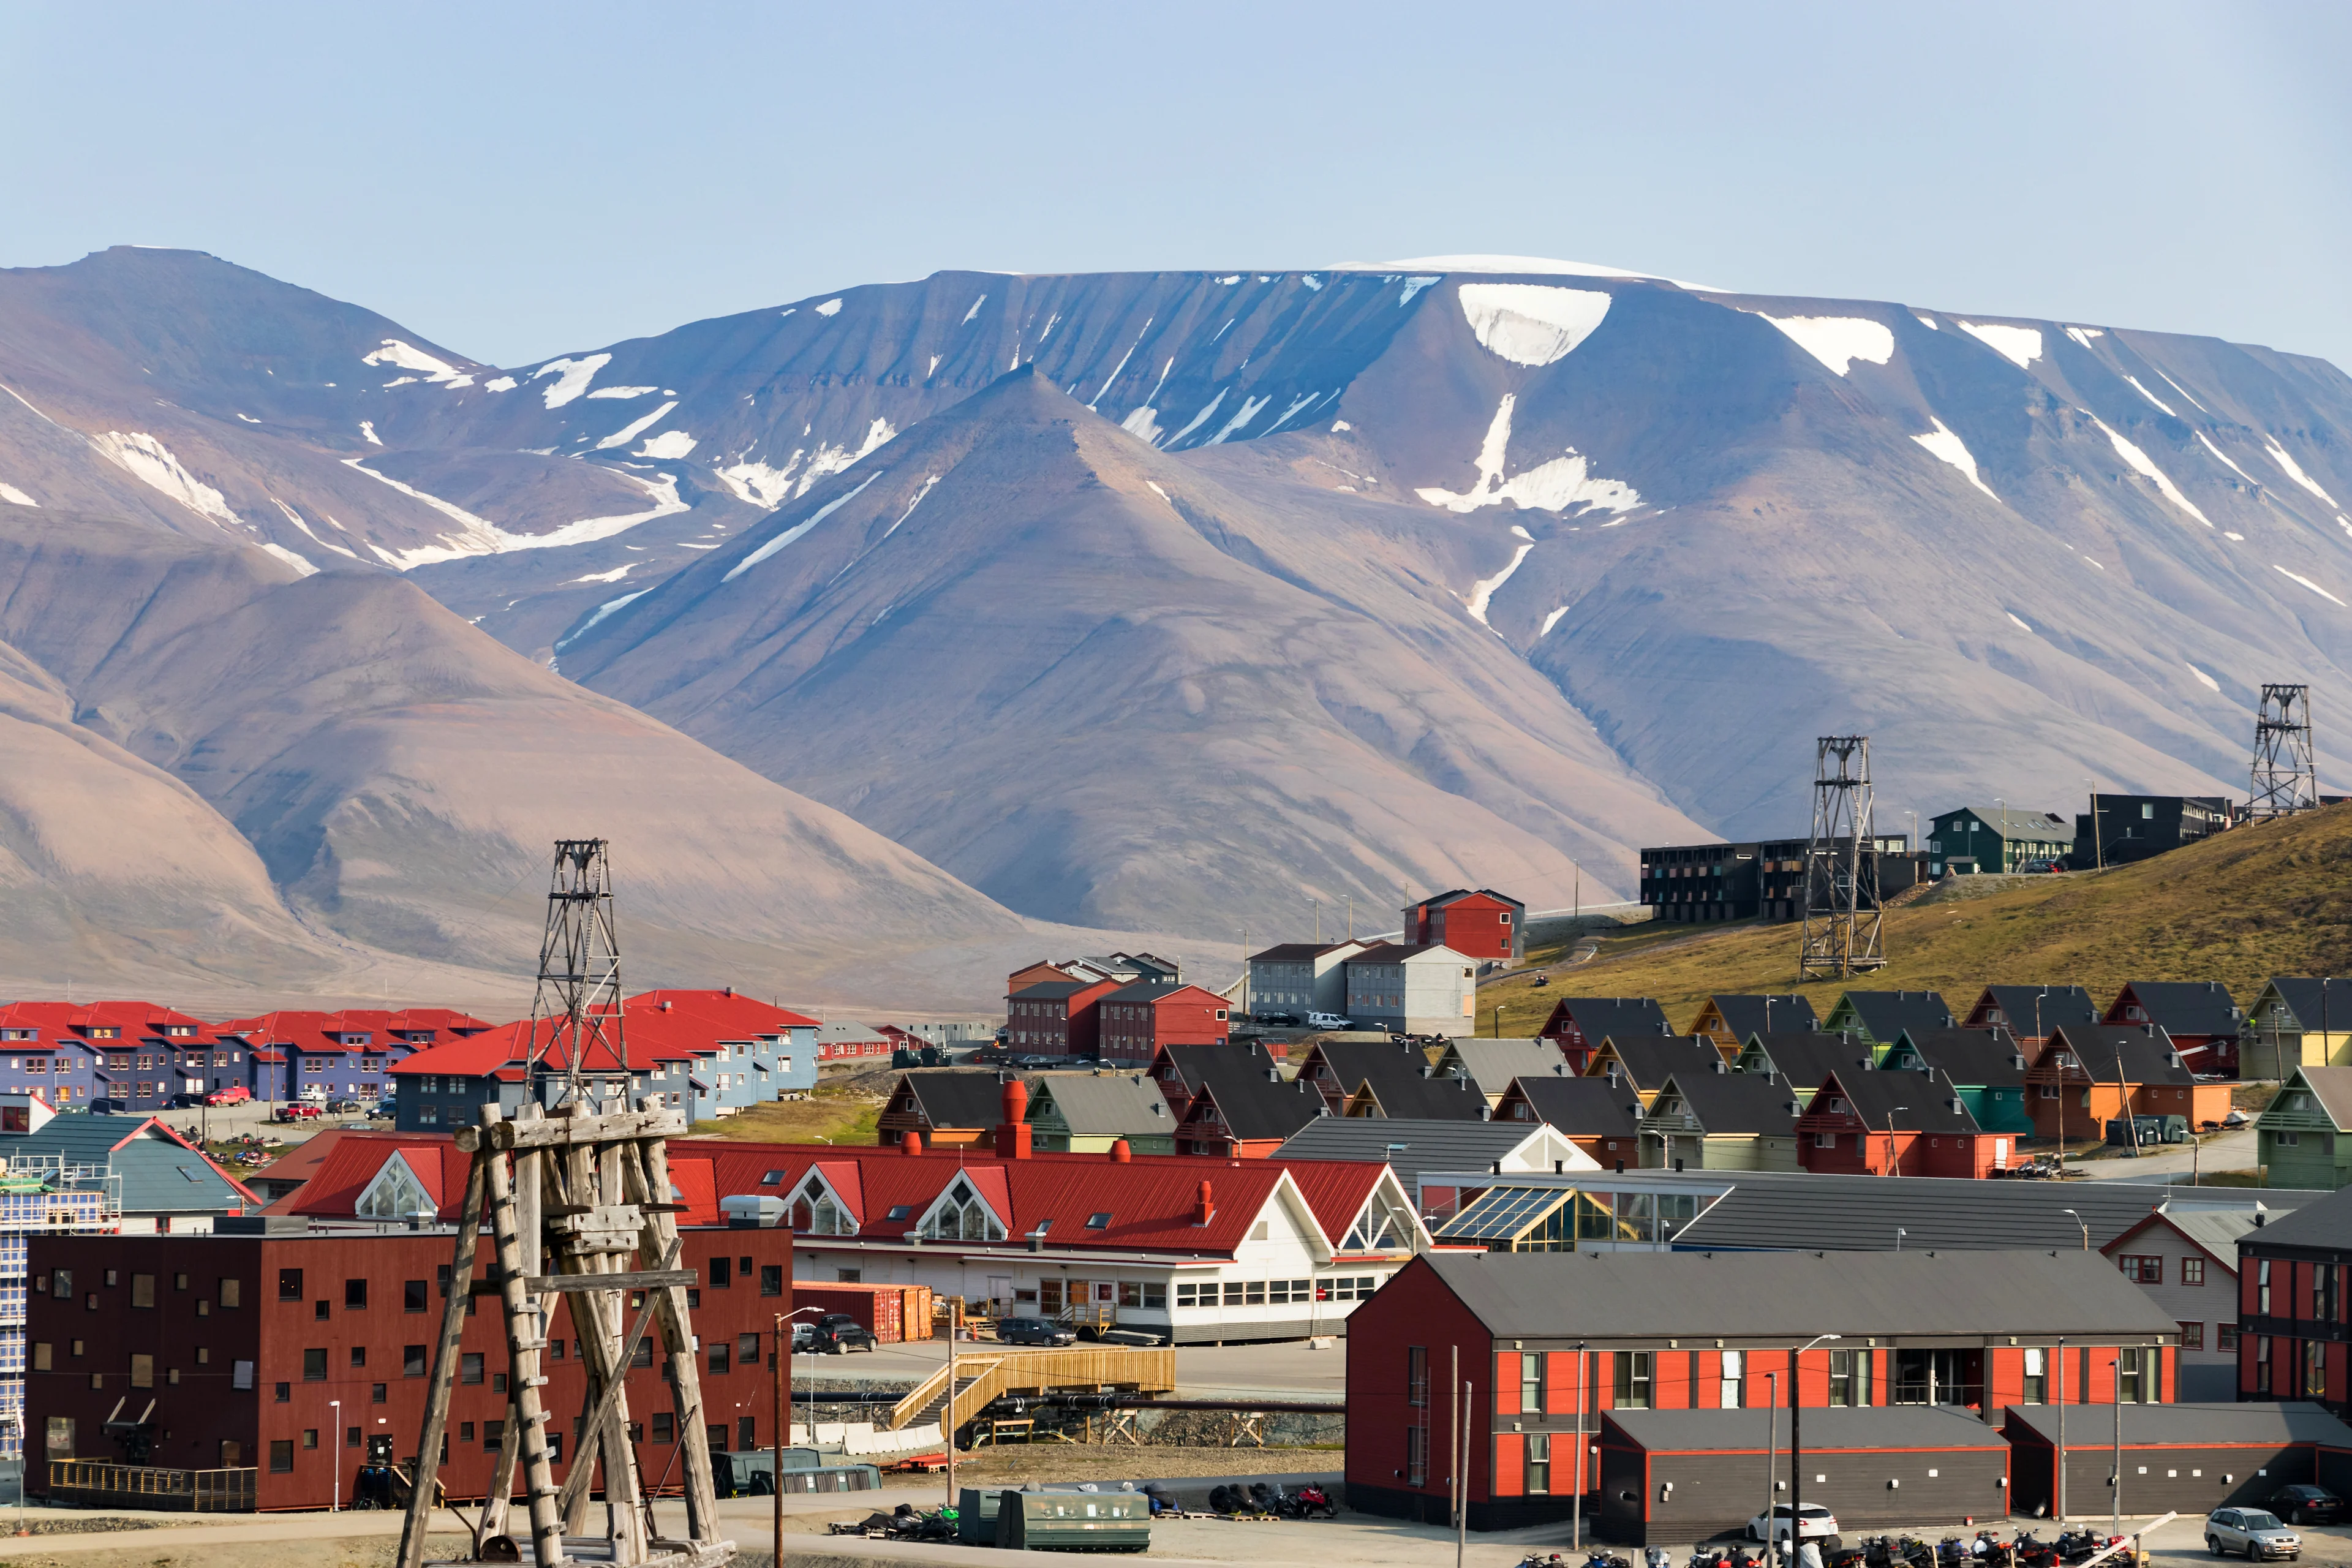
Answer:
[(1544, 1341), (1137, 1020), (1578, 1025), (1894, 1124), (1055, 1017), (2198, 1014), (1476, 923), (275, 1352)]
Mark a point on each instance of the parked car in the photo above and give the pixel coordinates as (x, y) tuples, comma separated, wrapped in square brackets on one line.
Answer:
[(1279, 1020), (235, 1094), (1817, 1523), (383, 1109), (1033, 1332), (837, 1333), (298, 1110), (2256, 1531), (2306, 1504), (1327, 1021), (344, 1107), (1034, 1061), (804, 1338)]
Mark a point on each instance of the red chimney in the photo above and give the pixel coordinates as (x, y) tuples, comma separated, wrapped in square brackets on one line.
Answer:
[(1120, 1153), (1205, 1208), (910, 1142), (1013, 1133)]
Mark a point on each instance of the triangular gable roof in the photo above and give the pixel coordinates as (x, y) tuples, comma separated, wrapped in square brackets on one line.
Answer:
[(1646, 1061), (2310, 1001), (2213, 1232), (2329, 1088), (1729, 1103), (2100, 1051), (2177, 1006), (1579, 1107), (2029, 1009), (1897, 1101), (1882, 1015), (1742, 1016), (334, 1192), (1977, 1058)]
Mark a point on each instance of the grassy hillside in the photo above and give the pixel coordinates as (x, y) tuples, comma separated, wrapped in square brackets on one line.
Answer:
[(2254, 902)]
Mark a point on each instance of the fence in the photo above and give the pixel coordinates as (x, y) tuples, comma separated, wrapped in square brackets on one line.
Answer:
[(105, 1484)]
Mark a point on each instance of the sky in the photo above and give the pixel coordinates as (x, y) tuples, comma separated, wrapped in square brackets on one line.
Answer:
[(517, 180)]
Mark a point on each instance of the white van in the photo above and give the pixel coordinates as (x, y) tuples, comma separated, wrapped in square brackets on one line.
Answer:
[(1327, 1021)]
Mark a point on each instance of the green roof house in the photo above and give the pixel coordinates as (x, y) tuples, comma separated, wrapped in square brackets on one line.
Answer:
[(1878, 1017), (2304, 1139), (1085, 1113)]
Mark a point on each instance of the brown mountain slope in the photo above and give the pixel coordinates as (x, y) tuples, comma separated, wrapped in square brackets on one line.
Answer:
[(2256, 901), (1087, 678), (398, 777)]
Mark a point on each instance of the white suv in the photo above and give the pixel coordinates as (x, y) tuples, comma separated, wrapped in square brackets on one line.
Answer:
[(1326, 1021), (2256, 1531), (1817, 1525)]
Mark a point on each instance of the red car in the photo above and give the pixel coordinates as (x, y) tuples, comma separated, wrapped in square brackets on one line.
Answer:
[(235, 1094), (298, 1111)]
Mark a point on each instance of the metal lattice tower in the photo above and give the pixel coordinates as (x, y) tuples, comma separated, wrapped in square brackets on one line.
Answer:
[(2285, 778), (1840, 934), (575, 1016)]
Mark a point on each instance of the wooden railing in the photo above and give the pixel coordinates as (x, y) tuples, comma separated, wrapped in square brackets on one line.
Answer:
[(1093, 1368), (104, 1482)]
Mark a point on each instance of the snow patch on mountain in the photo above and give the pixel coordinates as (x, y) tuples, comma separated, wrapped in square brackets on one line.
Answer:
[(2225, 457), (500, 384), (623, 391), (606, 608), (2139, 461), (16, 497), (1121, 365), (668, 444), (2306, 582), (367, 428), (1943, 444), (793, 532), (830, 308), (480, 536), (635, 429), (296, 519), (2183, 391), (1550, 621), (2144, 392), (1482, 591), (976, 304), (2083, 335), (1554, 486), (1248, 411), (2019, 624), (302, 567), (150, 462), (1143, 423), (615, 575), (2204, 680), (1838, 340), (929, 481), (1198, 419), (1531, 264), (2019, 345), (1531, 324), (571, 377), (1411, 286), (2294, 470), (407, 356)]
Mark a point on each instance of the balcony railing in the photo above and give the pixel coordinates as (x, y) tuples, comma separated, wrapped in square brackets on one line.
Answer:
[(103, 1483)]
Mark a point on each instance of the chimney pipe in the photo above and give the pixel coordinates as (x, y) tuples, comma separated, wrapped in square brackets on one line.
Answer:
[(910, 1142), (1013, 1134), (1119, 1152), (1205, 1208)]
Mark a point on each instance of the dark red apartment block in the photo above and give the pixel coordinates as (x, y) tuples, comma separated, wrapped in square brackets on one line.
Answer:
[(281, 1352), (1476, 923), (1137, 1020), (1055, 1017)]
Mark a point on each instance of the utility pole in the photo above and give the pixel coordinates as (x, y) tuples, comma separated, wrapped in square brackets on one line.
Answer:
[(1771, 1436), (955, 1327), (1246, 972), (1583, 1392), (2286, 780), (2060, 1502), (1841, 936)]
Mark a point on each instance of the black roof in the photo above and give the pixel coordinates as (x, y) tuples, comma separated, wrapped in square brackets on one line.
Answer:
[(1299, 951), (1408, 1147), (1193, 1062), (1746, 1431), (958, 1097), (1580, 1106), (1143, 990), (1650, 1060), (1602, 1017), (1802, 1060), (1886, 1014), (1413, 1096), (2326, 1222), (2143, 1053), (1746, 1015), (2182, 1006), (2024, 1006), (1256, 1106), (2192, 1426), (1771, 1210), (1728, 1103), (1907, 1101), (1052, 990), (1783, 1297), (1979, 1058), (2312, 1001), (1353, 1061)]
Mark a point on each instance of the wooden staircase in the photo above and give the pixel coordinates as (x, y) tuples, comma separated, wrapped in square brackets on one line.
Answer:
[(982, 1378)]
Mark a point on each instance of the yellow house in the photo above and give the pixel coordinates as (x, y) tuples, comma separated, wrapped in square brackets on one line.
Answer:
[(2295, 1022)]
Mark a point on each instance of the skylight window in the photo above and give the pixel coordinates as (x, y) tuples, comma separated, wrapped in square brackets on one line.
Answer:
[(773, 1179), (1098, 1221), (901, 1211)]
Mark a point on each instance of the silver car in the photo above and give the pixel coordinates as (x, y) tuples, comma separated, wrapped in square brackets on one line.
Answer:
[(2256, 1531)]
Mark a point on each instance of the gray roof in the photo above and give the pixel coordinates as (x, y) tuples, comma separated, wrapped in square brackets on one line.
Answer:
[(957, 1097), (2332, 1087), (2185, 1006), (1727, 1102), (1413, 1096), (2326, 1221), (2011, 823), (1886, 1014), (2312, 1001), (1747, 1431), (2143, 1053), (1979, 1058), (1493, 1064), (2039, 1008), (1408, 1147), (1785, 1297), (1581, 1107), (1745, 1015), (2189, 1426), (1104, 1104), (160, 1175), (2215, 1230), (1650, 1060), (1911, 1101), (848, 1029), (1769, 1210), (1802, 1060)]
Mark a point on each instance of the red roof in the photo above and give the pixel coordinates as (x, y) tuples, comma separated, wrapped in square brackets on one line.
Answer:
[(655, 1026), (64, 1022), (315, 1032), (334, 1189)]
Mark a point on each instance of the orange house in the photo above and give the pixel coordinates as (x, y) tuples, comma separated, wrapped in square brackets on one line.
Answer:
[(1894, 1124), (2090, 1074)]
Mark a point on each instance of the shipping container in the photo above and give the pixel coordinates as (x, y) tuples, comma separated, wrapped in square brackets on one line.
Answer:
[(894, 1312)]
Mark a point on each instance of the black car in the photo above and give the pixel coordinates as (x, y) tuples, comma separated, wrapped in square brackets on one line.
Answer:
[(1279, 1020), (838, 1332), (1034, 1061), (2306, 1505), (1033, 1332)]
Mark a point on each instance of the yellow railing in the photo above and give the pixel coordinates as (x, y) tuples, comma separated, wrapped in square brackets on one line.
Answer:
[(1092, 1368), (153, 1486)]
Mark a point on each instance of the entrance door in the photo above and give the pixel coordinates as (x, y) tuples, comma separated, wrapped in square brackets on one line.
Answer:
[(1049, 1297)]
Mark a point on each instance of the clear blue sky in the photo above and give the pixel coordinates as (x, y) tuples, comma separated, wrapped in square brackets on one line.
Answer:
[(515, 179)]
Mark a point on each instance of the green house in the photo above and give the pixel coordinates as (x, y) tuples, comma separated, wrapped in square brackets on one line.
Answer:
[(1986, 1067), (1721, 1121), (2304, 1139), (1974, 839), (1085, 1113), (1802, 1059), (1878, 1017)]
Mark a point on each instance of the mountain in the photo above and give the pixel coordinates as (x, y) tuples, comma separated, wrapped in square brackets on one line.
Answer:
[(1314, 583), (222, 773)]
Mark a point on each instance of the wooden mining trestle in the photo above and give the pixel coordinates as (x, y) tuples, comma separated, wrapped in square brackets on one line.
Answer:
[(577, 1206)]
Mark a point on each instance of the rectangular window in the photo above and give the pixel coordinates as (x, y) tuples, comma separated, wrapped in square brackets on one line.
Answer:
[(2324, 1277), (469, 1367), (664, 1427), (2037, 1375), (1539, 1472), (2225, 1336), (412, 1361), (281, 1456), (354, 1295), (493, 1433), (1416, 1456), (1734, 1391), (142, 1289), (143, 1372), (1416, 1378), (2128, 1377), (2192, 1336), (2315, 1369), (722, 1272), (1633, 1372), (314, 1365), (2141, 1269), (1531, 1383), (2262, 1289), (2192, 1271), (2262, 1362), (1850, 1378), (284, 1394), (721, 1357), (310, 1437), (289, 1285), (772, 1279), (415, 1295), (378, 1394)]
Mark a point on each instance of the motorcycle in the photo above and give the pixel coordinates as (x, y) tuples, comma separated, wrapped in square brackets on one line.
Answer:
[(1657, 1557), (1313, 1502)]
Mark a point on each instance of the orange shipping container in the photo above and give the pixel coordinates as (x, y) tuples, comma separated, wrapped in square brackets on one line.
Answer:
[(881, 1308)]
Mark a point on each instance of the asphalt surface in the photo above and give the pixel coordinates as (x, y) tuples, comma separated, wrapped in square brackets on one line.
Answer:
[(2226, 1151)]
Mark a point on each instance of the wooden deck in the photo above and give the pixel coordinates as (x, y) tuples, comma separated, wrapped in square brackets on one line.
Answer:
[(983, 1375)]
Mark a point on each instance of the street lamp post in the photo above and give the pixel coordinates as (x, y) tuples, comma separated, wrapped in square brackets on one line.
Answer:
[(780, 1378), (1797, 1449), (1576, 1504), (1771, 1442), (2086, 1229), (2059, 1502), (335, 1436)]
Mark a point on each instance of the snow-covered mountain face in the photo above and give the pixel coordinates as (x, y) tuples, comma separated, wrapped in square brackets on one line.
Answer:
[(1705, 526)]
